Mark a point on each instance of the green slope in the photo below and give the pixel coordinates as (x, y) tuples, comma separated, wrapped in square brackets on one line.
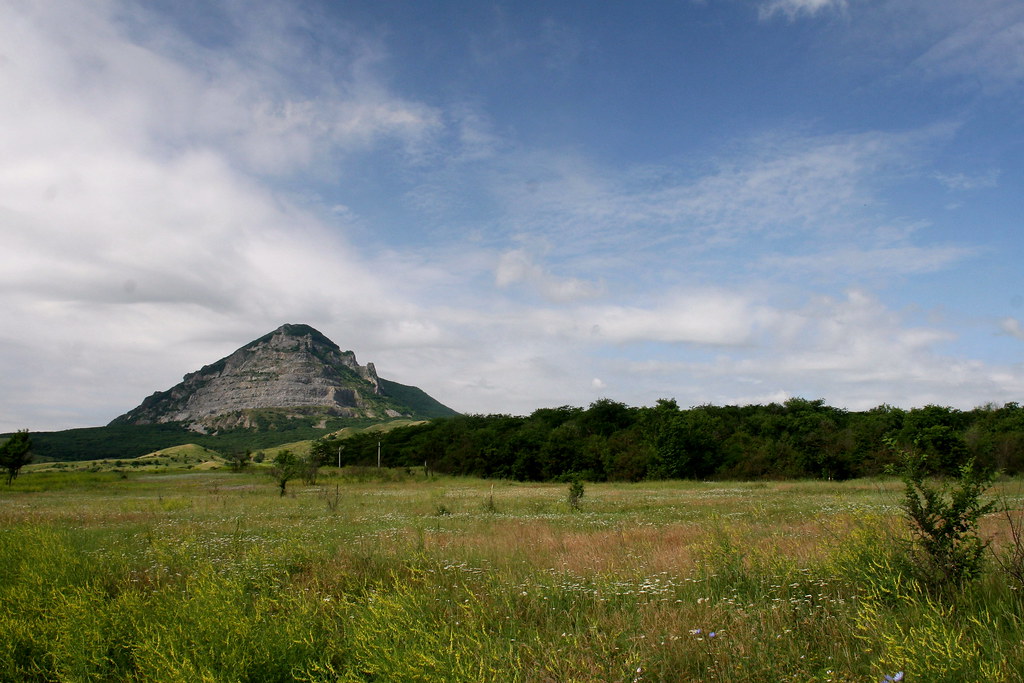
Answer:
[(417, 400), (114, 442)]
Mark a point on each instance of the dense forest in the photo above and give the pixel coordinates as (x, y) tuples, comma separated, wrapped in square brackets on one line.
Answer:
[(610, 441)]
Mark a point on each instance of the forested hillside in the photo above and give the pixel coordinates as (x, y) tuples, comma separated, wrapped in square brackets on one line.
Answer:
[(612, 441)]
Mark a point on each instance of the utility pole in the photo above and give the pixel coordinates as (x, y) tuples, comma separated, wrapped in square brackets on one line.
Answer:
[(378, 455)]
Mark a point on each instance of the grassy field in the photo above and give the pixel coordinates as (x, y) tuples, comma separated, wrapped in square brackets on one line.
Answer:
[(390, 576)]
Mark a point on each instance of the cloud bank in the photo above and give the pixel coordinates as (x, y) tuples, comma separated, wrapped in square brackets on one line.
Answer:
[(168, 194)]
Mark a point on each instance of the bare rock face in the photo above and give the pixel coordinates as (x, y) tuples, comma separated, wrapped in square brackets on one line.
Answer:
[(294, 366)]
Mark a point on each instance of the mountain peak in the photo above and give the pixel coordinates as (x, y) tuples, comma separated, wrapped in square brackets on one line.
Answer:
[(295, 367), (298, 330)]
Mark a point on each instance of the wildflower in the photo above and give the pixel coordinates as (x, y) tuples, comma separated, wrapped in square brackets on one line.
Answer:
[(712, 634), (898, 676), (695, 631)]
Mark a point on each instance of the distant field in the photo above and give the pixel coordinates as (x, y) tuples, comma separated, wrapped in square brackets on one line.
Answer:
[(386, 575)]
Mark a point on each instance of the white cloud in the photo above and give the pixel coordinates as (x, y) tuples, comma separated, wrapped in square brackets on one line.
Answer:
[(794, 8), (1012, 327), (965, 182), (853, 351), (978, 45), (144, 236), (476, 137), (975, 47), (117, 69), (855, 339), (696, 317), (977, 42), (518, 267), (133, 221), (762, 195), (846, 261)]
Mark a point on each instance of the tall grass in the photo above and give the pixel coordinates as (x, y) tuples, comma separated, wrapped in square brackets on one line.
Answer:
[(213, 577)]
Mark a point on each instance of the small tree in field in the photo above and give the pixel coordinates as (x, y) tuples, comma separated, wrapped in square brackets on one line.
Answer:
[(575, 494), (286, 466), (239, 460), (319, 455), (947, 550), (15, 453)]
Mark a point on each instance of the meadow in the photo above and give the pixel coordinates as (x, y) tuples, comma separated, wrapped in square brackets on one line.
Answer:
[(391, 575)]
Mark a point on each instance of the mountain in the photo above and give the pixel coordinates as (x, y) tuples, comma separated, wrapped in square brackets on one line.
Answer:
[(295, 368)]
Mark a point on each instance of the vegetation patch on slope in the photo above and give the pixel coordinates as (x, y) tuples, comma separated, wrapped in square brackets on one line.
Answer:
[(270, 428)]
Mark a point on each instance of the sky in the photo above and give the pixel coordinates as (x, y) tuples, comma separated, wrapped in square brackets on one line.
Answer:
[(515, 205)]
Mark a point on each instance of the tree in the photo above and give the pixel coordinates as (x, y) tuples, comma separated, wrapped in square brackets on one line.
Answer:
[(319, 455), (286, 466), (15, 453), (685, 444), (664, 430), (239, 460), (310, 469), (321, 452), (627, 455)]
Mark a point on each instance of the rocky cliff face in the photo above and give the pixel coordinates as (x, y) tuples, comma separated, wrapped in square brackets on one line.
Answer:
[(295, 366)]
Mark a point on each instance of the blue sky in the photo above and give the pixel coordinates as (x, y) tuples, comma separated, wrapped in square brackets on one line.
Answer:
[(516, 205)]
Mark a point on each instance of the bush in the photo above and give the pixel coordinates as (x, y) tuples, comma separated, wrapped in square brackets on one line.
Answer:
[(575, 494), (947, 550)]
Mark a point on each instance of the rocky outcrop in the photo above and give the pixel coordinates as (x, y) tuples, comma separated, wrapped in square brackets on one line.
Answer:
[(295, 366)]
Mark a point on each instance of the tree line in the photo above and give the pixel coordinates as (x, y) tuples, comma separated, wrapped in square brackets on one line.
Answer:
[(610, 441)]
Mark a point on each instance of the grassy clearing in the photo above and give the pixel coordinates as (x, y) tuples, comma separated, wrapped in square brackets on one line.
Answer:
[(389, 576), (184, 457)]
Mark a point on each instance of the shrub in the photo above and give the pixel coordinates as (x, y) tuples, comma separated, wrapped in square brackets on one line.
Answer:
[(947, 550), (575, 494)]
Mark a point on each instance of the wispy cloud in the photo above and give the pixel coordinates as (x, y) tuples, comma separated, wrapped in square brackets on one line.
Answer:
[(852, 261), (1012, 327), (518, 267), (965, 182), (979, 42), (976, 45), (795, 8), (764, 193)]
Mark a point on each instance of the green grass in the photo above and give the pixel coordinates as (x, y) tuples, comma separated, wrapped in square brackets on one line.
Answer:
[(387, 575), (184, 457)]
